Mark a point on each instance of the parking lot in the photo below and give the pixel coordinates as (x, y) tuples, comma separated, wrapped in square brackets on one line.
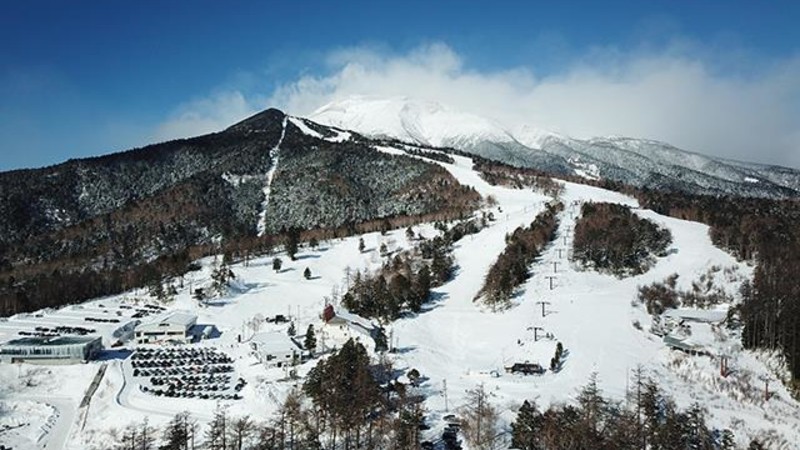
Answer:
[(184, 372)]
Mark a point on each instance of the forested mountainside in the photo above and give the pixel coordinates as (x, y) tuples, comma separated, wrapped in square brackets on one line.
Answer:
[(97, 226)]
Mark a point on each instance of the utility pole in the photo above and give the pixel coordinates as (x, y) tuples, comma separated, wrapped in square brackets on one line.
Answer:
[(555, 266), (536, 333), (560, 252), (543, 303), (551, 278)]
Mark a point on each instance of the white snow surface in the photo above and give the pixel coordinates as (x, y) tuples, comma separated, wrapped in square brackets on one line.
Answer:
[(454, 341), (275, 156)]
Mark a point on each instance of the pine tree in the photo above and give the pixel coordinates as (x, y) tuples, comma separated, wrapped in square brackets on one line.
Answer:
[(277, 264), (361, 246), (422, 289), (217, 432), (221, 276), (146, 438), (592, 406), (240, 432), (526, 430), (381, 341), (292, 242), (310, 342), (176, 434), (307, 274)]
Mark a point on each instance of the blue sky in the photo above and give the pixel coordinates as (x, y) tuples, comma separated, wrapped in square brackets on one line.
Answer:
[(85, 78)]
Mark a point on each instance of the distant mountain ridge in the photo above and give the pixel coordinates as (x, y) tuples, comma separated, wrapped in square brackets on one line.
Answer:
[(639, 162)]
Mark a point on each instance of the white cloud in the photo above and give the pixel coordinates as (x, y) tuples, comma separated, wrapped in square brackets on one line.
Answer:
[(673, 95), (205, 116)]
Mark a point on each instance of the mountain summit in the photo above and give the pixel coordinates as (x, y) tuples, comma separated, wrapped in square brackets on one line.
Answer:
[(639, 162)]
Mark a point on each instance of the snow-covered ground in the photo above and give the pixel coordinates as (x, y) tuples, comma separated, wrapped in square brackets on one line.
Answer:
[(455, 342)]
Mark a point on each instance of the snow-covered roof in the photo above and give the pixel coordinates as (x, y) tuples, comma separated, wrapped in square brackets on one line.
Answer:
[(51, 341), (354, 319), (273, 342), (698, 315), (177, 318)]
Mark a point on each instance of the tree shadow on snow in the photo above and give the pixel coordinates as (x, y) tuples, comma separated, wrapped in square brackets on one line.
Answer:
[(307, 256), (435, 301), (403, 350)]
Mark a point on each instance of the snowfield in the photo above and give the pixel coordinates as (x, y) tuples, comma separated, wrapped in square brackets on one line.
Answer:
[(455, 343)]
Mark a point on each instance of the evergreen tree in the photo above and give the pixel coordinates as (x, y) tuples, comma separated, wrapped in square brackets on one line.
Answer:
[(277, 264), (381, 341), (240, 432), (177, 432), (217, 432), (727, 440), (592, 406), (343, 387), (310, 342), (147, 436), (421, 289), (526, 430), (307, 274), (221, 276), (410, 233), (361, 246), (292, 242)]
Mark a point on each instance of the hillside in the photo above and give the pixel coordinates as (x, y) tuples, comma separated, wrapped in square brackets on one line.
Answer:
[(454, 342), (126, 219)]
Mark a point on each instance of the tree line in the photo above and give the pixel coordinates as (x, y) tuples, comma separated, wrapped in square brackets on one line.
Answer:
[(523, 246), (648, 420)]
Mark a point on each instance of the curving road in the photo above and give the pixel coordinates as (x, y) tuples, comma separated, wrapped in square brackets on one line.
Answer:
[(66, 409), (122, 398)]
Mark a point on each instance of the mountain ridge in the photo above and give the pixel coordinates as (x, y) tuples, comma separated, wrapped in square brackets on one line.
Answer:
[(639, 162)]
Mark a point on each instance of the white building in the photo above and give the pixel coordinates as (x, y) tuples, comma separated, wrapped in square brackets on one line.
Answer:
[(175, 326), (275, 349), (55, 350), (348, 319)]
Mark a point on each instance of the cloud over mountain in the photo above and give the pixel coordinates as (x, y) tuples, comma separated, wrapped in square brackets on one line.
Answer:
[(673, 95)]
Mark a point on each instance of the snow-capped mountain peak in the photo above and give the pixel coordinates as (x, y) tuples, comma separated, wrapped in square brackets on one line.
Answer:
[(419, 121), (639, 162)]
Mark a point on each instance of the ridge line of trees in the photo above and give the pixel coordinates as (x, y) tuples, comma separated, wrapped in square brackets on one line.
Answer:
[(523, 246)]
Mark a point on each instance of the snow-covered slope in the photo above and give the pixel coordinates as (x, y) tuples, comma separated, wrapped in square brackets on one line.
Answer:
[(640, 162), (455, 343)]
